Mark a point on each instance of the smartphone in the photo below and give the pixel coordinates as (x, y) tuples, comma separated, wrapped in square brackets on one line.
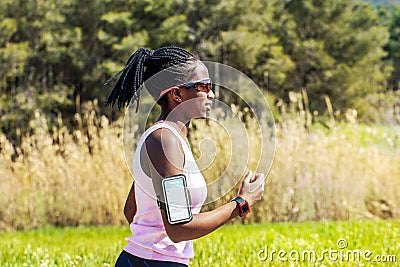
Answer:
[(177, 199)]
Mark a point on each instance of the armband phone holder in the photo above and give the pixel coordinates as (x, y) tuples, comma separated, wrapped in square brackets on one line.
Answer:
[(176, 199)]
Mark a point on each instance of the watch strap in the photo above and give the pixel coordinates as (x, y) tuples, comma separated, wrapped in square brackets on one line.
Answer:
[(244, 207)]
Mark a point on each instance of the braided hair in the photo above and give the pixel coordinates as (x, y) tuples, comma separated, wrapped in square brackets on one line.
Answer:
[(144, 64)]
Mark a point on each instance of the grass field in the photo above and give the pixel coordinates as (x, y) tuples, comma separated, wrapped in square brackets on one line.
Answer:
[(232, 245)]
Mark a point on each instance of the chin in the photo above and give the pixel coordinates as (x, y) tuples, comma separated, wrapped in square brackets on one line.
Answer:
[(204, 115), (200, 114), (201, 117)]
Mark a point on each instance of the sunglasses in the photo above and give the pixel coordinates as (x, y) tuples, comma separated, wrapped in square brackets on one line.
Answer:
[(204, 85)]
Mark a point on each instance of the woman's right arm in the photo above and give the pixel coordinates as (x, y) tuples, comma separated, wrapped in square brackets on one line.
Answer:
[(206, 222), (166, 156)]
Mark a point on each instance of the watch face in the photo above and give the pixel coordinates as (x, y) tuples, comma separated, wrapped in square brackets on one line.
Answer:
[(245, 208)]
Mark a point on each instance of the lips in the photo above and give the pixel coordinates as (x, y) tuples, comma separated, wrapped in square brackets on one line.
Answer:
[(208, 106)]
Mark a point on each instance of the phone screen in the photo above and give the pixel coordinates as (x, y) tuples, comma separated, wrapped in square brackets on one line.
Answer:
[(176, 198)]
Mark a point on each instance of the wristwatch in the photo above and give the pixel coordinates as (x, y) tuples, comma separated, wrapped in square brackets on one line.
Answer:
[(244, 207)]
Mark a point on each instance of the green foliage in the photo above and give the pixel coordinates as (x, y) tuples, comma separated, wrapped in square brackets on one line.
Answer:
[(241, 35), (55, 56), (337, 48), (390, 18)]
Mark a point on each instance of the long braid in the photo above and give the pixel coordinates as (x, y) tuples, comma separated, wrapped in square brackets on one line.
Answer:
[(134, 73)]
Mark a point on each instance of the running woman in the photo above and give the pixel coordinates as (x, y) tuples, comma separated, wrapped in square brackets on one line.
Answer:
[(183, 90)]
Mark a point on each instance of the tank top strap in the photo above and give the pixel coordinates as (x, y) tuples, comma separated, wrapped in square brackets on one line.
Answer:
[(165, 124)]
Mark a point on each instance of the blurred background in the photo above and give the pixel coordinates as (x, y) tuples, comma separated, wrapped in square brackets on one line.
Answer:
[(330, 70)]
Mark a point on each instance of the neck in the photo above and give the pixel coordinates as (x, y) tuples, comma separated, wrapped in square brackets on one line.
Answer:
[(180, 123)]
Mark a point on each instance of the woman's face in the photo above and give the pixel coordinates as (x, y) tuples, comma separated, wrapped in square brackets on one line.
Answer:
[(196, 103)]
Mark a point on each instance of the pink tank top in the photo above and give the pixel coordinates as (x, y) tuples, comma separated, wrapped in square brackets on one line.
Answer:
[(149, 239)]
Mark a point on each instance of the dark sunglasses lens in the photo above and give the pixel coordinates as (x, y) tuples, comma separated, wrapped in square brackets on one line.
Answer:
[(204, 87)]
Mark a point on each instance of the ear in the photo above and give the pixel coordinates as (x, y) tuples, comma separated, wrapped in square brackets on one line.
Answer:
[(176, 94)]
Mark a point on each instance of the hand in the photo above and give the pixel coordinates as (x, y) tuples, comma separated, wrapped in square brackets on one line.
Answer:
[(252, 188)]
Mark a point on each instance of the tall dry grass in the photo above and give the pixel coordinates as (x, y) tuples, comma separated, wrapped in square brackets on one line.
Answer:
[(337, 172), (324, 169), (62, 178)]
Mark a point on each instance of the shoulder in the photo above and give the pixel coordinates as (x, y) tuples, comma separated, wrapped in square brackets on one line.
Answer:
[(165, 151), (164, 143), (162, 137)]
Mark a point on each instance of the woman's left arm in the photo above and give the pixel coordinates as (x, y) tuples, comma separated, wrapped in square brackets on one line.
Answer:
[(130, 205)]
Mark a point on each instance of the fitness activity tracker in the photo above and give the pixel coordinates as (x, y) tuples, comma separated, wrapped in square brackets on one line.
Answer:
[(244, 207)]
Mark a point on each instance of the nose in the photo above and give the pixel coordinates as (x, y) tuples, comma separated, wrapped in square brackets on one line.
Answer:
[(211, 95)]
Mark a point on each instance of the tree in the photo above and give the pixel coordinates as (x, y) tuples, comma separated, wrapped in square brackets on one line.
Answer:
[(390, 18), (56, 55), (240, 34), (337, 48), (36, 49)]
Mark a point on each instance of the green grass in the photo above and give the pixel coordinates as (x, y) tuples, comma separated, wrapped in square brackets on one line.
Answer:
[(233, 245)]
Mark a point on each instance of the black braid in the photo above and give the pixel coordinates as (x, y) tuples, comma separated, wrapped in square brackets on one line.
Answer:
[(134, 73)]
